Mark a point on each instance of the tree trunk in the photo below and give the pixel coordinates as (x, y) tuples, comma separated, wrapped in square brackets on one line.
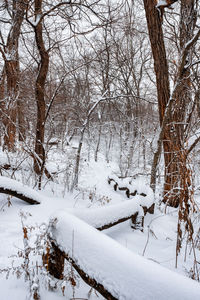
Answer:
[(21, 121), (12, 71), (40, 92), (172, 136), (12, 75), (2, 89), (177, 164), (154, 23)]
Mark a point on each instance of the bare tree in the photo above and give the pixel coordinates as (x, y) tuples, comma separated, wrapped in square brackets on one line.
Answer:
[(9, 51), (172, 106)]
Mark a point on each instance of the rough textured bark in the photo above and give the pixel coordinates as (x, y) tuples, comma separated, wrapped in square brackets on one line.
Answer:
[(156, 37), (182, 94), (172, 136), (91, 281), (21, 121), (55, 267), (2, 85), (12, 74), (54, 261), (40, 91)]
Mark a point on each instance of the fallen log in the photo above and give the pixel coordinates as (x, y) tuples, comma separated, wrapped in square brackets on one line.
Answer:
[(18, 195), (59, 252), (134, 219), (101, 219), (129, 190), (111, 269), (16, 189), (56, 269), (111, 215)]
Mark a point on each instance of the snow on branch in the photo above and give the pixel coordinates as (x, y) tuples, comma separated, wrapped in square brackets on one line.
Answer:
[(102, 98), (15, 188), (113, 270), (186, 49)]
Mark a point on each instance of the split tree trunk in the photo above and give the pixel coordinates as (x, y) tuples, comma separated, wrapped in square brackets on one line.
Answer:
[(172, 138)]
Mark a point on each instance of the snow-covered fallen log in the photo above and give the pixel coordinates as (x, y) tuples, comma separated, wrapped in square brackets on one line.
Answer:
[(106, 217), (16, 189), (101, 218), (134, 188), (113, 270)]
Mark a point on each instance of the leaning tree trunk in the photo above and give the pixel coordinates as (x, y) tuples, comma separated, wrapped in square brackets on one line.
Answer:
[(39, 157), (154, 24), (12, 75), (177, 167)]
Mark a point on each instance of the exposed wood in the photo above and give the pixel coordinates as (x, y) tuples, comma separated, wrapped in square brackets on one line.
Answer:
[(54, 261), (151, 209), (154, 23), (56, 269), (90, 281), (18, 195), (132, 217), (137, 222)]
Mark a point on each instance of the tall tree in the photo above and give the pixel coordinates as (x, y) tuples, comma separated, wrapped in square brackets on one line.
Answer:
[(9, 52), (172, 106), (39, 159)]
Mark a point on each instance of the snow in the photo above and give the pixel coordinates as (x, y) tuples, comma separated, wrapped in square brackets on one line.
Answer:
[(36, 22), (135, 185), (110, 214), (161, 3), (95, 217), (13, 185), (105, 204), (124, 274), (192, 40)]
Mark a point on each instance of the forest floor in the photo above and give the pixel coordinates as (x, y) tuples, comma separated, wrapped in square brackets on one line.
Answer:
[(157, 242)]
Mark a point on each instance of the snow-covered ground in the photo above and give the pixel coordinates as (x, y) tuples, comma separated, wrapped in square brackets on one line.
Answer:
[(156, 243)]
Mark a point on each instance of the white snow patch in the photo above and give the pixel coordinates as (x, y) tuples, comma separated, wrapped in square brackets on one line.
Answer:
[(109, 214), (161, 3)]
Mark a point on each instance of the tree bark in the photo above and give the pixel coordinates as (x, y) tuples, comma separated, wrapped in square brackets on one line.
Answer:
[(55, 267), (40, 91), (12, 74), (177, 167), (172, 136), (156, 37)]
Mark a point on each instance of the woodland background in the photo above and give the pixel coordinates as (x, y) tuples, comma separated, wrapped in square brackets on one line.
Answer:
[(116, 83)]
